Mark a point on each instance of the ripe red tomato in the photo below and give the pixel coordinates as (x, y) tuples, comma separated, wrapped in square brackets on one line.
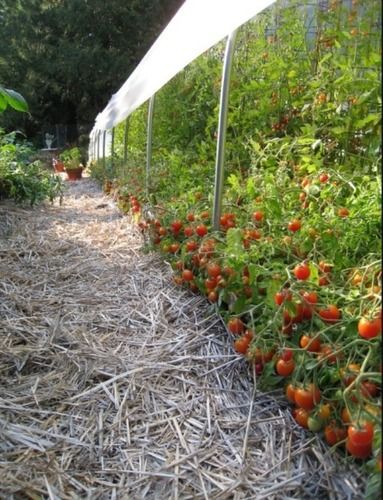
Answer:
[(343, 212), (362, 434), (370, 328), (285, 368), (310, 297), (176, 226), (201, 230), (236, 326), (258, 216), (309, 343), (187, 275), (290, 393), (323, 281), (369, 389), (241, 344), (334, 434), (281, 296), (307, 397), (330, 314), (174, 247), (190, 217), (287, 354), (294, 225), (191, 246), (302, 271), (324, 177), (213, 270), (210, 283), (358, 450), (301, 416), (188, 231), (204, 215)]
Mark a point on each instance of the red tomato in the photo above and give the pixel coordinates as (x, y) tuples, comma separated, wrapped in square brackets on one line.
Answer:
[(236, 326), (191, 246), (369, 389), (301, 416), (281, 296), (307, 397), (358, 450), (294, 225), (362, 434), (309, 343), (201, 230), (258, 216), (241, 345), (343, 212), (330, 314), (290, 393), (187, 275), (287, 354), (323, 281), (369, 328), (285, 368), (334, 434), (174, 247), (302, 271), (324, 177), (176, 226), (310, 297), (188, 231), (190, 217), (210, 283), (213, 270)]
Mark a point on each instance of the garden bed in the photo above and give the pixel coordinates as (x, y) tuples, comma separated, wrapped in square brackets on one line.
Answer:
[(115, 381)]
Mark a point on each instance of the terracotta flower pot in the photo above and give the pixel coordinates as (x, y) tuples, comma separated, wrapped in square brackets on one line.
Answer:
[(58, 165), (74, 174)]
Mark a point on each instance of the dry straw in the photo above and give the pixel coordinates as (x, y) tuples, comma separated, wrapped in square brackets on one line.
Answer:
[(116, 384)]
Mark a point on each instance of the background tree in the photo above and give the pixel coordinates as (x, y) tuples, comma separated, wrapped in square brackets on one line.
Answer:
[(67, 57)]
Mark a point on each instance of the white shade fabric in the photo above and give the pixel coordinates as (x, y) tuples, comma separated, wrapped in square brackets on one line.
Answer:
[(197, 26)]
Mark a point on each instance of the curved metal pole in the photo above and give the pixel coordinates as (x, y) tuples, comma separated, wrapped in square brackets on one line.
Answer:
[(221, 139), (126, 139), (98, 145), (112, 149), (103, 148), (149, 142)]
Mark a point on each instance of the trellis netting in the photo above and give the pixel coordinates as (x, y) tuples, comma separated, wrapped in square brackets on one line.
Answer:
[(197, 26)]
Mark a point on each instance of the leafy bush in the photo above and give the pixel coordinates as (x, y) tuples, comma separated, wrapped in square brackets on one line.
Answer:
[(22, 180)]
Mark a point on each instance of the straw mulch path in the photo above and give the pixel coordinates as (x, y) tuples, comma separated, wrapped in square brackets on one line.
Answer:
[(116, 384)]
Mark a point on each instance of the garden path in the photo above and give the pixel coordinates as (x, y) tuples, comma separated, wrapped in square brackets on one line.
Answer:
[(115, 383)]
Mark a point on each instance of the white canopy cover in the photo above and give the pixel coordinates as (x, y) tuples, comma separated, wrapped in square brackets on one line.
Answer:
[(197, 26)]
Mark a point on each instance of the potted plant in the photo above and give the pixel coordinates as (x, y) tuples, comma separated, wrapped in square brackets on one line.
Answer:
[(72, 163), (58, 165)]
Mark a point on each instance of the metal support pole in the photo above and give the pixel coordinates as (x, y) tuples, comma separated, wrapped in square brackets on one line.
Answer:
[(98, 145), (149, 141), (112, 149), (221, 138), (126, 139), (103, 149)]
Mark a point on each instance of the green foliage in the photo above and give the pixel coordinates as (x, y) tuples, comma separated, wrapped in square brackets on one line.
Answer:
[(12, 99), (72, 158), (66, 61), (22, 180)]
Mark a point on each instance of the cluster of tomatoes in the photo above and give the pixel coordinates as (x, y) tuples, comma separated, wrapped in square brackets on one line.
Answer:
[(327, 360)]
